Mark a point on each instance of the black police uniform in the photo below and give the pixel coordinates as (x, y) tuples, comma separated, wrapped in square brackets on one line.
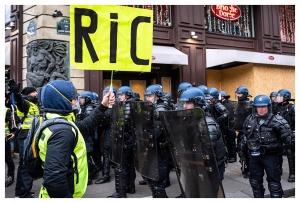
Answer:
[(287, 111), (265, 133), (105, 127), (230, 137), (125, 172), (87, 108), (158, 187), (246, 157)]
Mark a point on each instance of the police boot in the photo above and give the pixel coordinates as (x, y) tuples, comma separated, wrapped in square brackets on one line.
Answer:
[(257, 188), (160, 192), (9, 181), (232, 151), (97, 154), (119, 184), (130, 188), (151, 186), (90, 170), (103, 179), (105, 171), (142, 182), (275, 190), (291, 161), (131, 179)]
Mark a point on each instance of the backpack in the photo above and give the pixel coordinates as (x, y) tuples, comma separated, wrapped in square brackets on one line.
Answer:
[(31, 158)]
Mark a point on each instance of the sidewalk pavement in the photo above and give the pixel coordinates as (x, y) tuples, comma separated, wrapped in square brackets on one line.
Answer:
[(235, 186)]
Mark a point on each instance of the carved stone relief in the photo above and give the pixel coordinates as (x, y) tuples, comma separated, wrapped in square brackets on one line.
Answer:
[(47, 60)]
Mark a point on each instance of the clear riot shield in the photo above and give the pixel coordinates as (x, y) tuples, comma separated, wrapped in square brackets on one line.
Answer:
[(117, 132), (199, 174), (145, 147), (238, 111)]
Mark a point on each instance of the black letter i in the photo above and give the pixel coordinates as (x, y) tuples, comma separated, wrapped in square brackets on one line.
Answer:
[(113, 38)]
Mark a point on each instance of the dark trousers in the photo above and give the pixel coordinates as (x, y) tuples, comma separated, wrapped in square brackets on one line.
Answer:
[(221, 168), (158, 187), (268, 163), (24, 180), (9, 161)]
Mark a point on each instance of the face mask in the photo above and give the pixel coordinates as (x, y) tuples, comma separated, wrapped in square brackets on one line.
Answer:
[(242, 98)]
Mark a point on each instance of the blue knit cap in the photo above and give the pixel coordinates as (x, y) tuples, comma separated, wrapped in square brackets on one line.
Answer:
[(58, 94)]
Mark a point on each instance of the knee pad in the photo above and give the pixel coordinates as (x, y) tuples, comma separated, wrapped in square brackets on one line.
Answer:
[(255, 183), (274, 187)]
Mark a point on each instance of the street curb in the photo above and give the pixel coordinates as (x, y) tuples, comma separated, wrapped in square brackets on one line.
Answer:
[(287, 193)]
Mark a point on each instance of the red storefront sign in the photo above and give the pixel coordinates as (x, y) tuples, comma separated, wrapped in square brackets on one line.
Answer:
[(226, 12), (271, 58)]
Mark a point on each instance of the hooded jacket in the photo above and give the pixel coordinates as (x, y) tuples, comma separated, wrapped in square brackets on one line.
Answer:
[(59, 179)]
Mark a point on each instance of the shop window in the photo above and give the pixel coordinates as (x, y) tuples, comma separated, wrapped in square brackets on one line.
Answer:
[(229, 19), (287, 23), (161, 13), (166, 84), (138, 86)]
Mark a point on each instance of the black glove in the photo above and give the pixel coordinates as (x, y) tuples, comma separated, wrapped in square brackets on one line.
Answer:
[(14, 87)]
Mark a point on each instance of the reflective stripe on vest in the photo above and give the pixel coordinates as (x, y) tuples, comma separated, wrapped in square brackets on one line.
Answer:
[(19, 113), (33, 112), (79, 150), (7, 133)]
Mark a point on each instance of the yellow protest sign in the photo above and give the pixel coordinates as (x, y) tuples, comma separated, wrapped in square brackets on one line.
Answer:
[(106, 37)]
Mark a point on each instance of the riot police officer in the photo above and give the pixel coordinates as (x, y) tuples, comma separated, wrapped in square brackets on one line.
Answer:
[(264, 134), (153, 94), (86, 107), (136, 96), (167, 98), (287, 111), (242, 94), (181, 88), (204, 89), (125, 172), (105, 127), (194, 98), (217, 110), (95, 100), (229, 134), (274, 102)]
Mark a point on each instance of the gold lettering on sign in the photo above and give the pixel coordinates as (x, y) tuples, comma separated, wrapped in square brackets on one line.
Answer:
[(226, 12)]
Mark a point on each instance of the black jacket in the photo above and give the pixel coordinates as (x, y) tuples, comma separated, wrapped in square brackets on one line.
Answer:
[(59, 183)]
